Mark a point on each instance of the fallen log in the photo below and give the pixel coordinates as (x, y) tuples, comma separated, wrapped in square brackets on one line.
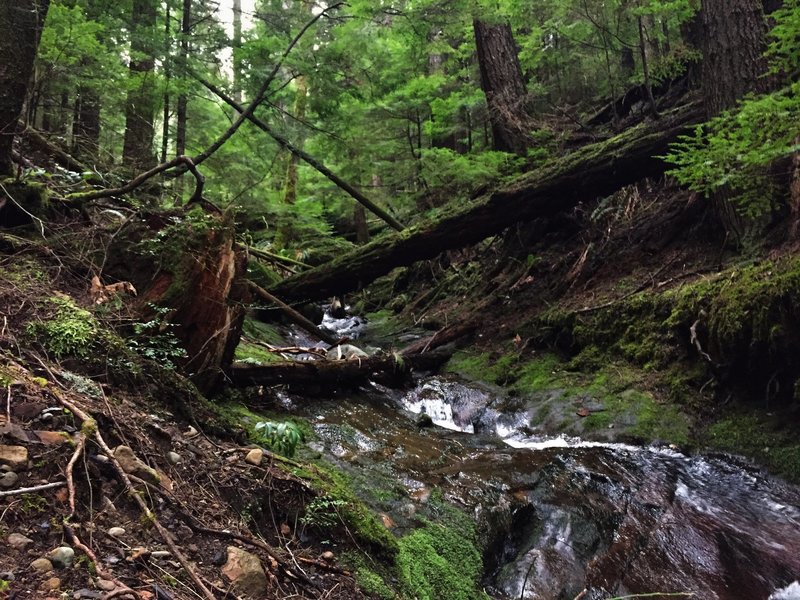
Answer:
[(293, 315), (389, 369), (593, 171)]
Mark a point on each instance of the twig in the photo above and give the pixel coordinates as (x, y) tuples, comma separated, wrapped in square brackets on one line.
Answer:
[(34, 489), (695, 341), (8, 405)]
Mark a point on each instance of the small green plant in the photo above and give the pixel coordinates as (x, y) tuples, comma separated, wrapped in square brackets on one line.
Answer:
[(71, 331), (283, 437), (154, 339), (323, 511)]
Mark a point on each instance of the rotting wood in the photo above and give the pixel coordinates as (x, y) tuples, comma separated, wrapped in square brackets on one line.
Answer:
[(594, 170), (389, 368)]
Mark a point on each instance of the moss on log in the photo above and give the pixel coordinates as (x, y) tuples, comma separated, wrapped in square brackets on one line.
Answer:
[(593, 171)]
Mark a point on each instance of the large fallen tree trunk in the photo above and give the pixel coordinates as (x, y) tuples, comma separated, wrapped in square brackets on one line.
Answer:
[(593, 171), (389, 369)]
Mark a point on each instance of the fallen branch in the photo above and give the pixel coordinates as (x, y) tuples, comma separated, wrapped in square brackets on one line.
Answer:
[(137, 181), (33, 490), (294, 316), (307, 158), (269, 256), (37, 140)]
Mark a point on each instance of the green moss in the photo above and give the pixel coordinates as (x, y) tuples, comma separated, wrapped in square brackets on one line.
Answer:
[(442, 560), (759, 436), (255, 354), (261, 331), (373, 584), (69, 330)]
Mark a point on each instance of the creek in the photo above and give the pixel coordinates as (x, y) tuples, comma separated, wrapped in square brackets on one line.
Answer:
[(560, 517)]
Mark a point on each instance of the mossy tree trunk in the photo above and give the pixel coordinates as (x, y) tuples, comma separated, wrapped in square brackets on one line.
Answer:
[(594, 170), (21, 23)]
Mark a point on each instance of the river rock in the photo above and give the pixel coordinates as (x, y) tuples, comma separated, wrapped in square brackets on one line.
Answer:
[(174, 458), (106, 585), (52, 584), (245, 572), (62, 557), (116, 532), (42, 565), (8, 480), (19, 541), (255, 456), (133, 466), (15, 457)]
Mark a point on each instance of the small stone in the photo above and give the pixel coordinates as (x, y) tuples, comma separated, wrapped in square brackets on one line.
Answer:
[(52, 438), (327, 556), (52, 584), (174, 457), (254, 456), (387, 521), (190, 433), (158, 554), (87, 593), (19, 541), (42, 565), (8, 480), (62, 557), (15, 457), (116, 532), (138, 553), (132, 465), (245, 573), (106, 585)]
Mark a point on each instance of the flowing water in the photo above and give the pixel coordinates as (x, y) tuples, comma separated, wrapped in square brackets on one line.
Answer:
[(563, 517)]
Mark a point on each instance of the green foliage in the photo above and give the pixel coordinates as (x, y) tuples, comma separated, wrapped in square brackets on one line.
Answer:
[(323, 511), (459, 174), (282, 437), (70, 330), (154, 339), (734, 149)]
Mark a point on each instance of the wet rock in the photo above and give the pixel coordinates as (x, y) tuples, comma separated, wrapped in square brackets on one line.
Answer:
[(424, 420), (133, 466), (42, 565), (19, 541), (255, 456), (116, 532), (345, 352), (15, 457), (62, 557), (8, 480), (174, 458), (245, 572)]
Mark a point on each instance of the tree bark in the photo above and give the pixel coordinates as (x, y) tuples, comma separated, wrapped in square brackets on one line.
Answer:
[(86, 128), (593, 171), (141, 104), (183, 100), (503, 85), (733, 65), (238, 82), (21, 23)]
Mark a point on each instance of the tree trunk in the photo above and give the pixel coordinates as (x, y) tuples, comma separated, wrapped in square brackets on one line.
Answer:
[(238, 83), (21, 23), (503, 85), (595, 170), (733, 65), (86, 128), (183, 100), (141, 104)]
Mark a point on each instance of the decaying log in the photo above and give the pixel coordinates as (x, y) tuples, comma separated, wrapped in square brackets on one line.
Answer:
[(591, 172), (41, 143), (388, 369)]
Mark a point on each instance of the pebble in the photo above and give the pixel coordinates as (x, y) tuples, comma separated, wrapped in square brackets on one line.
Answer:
[(116, 532), (157, 554), (254, 456), (62, 557), (87, 593), (42, 565), (8, 480), (106, 585), (174, 457), (19, 541), (52, 584), (327, 556)]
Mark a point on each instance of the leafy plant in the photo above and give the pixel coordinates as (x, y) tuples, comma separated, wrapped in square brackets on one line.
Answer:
[(155, 340), (281, 437), (323, 511)]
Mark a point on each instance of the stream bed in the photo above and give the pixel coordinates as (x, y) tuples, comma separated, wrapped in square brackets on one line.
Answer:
[(559, 515)]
